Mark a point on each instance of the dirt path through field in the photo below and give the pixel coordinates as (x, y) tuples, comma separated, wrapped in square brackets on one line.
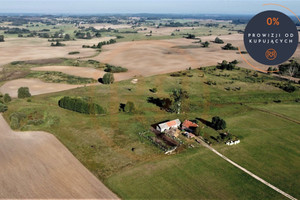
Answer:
[(247, 171), (35, 165)]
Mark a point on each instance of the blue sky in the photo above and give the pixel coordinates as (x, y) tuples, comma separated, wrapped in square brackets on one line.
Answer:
[(144, 6)]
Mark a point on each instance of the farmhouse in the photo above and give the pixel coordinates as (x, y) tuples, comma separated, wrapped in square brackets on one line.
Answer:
[(168, 125), (188, 125)]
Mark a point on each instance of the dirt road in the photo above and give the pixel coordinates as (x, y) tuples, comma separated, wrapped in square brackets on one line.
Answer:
[(36, 165)]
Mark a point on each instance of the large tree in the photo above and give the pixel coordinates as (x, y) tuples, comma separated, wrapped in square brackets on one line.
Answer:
[(218, 123)]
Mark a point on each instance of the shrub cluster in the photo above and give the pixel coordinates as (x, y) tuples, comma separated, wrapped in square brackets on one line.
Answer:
[(226, 65), (229, 46), (80, 105), (115, 69)]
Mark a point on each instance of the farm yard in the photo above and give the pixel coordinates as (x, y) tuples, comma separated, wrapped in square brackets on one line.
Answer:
[(142, 134)]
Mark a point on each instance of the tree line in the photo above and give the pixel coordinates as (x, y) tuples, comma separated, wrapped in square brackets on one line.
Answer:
[(81, 106)]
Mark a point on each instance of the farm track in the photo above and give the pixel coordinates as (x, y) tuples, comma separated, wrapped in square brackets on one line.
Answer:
[(277, 115), (247, 171)]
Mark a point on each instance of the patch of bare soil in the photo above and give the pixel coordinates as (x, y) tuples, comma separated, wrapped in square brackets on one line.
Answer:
[(151, 57), (35, 86), (35, 165), (21, 49)]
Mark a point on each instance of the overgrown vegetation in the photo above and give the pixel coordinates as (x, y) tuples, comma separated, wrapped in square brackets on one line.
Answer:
[(59, 77), (115, 69)]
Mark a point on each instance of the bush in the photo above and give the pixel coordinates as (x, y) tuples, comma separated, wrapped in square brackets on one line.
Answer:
[(129, 107), (219, 41), (218, 123), (154, 90), (3, 107), (205, 44), (14, 123), (288, 88), (80, 105), (23, 92), (229, 46), (108, 78), (57, 44), (6, 98), (115, 69), (190, 36), (74, 52)]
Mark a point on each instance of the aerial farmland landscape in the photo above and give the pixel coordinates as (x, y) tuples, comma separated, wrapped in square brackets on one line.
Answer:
[(138, 100)]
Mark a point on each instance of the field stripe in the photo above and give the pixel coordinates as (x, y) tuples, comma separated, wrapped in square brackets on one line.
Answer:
[(250, 173)]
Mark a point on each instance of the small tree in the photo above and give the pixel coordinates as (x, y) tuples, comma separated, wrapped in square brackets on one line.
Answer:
[(108, 78), (6, 98), (23, 92), (218, 123), (129, 107)]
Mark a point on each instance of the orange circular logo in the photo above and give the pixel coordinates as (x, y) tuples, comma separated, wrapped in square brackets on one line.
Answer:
[(271, 54)]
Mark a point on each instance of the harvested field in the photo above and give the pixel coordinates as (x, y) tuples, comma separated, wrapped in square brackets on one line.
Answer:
[(83, 72), (35, 165), (14, 49), (35, 86), (152, 57)]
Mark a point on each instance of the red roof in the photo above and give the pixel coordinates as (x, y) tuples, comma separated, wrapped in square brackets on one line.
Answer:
[(171, 123), (189, 124)]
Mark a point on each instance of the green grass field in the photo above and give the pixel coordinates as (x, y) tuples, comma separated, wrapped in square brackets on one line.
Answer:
[(268, 148)]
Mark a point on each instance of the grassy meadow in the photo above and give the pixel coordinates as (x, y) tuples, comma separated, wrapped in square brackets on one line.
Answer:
[(268, 148)]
